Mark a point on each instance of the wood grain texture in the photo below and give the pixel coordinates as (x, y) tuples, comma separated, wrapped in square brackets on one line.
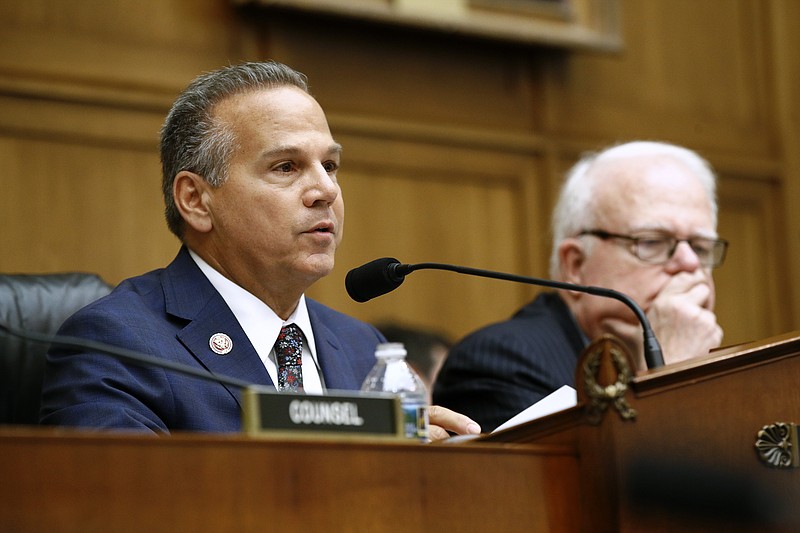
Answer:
[(454, 146), (62, 481)]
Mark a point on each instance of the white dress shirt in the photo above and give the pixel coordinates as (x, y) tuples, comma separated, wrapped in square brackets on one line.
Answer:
[(262, 326)]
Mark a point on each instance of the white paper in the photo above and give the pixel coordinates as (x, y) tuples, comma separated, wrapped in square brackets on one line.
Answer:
[(561, 399)]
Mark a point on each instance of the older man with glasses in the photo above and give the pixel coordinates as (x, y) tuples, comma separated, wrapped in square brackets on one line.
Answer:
[(640, 218)]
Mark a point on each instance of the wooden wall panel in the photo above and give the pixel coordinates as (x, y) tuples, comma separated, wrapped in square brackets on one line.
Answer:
[(132, 45), (84, 88), (691, 72), (785, 44), (73, 207), (750, 285), (420, 203), (454, 147), (404, 76)]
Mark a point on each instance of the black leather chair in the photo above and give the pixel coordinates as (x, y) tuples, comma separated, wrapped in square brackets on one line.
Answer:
[(38, 303)]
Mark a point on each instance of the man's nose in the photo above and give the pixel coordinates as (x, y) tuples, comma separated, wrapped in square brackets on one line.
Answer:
[(684, 258), (323, 188)]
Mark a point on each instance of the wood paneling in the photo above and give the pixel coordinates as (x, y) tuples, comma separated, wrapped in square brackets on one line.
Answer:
[(405, 77), (76, 207), (692, 72), (586, 24), (454, 146), (748, 301), (130, 44), (434, 204), (785, 44), (96, 482)]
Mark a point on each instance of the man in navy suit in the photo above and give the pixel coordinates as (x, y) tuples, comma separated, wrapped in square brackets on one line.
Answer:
[(639, 218), (250, 186)]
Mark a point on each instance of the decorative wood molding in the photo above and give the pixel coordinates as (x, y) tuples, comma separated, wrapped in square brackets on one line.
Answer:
[(58, 95), (41, 86), (776, 445), (82, 111), (602, 376), (717, 363), (493, 139), (581, 24)]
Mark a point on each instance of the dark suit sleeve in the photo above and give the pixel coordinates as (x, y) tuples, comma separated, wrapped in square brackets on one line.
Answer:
[(89, 389), (502, 369)]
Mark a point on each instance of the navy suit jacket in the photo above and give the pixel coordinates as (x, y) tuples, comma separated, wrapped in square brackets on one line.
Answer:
[(500, 370), (172, 313)]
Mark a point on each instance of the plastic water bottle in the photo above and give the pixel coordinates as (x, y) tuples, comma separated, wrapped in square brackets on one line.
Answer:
[(393, 374)]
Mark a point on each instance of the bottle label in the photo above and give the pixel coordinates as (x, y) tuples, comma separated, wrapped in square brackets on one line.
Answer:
[(416, 420)]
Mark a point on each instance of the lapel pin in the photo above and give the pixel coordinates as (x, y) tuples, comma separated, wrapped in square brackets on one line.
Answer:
[(220, 343)]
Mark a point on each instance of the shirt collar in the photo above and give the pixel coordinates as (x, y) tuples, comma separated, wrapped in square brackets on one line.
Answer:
[(261, 324)]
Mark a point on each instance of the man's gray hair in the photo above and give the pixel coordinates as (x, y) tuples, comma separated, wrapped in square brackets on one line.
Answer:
[(192, 139), (575, 210)]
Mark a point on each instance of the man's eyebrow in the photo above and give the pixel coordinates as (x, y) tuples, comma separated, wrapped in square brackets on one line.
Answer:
[(703, 234), (333, 149), (649, 229)]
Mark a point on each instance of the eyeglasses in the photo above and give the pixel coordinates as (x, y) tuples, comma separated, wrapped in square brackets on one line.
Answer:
[(658, 248)]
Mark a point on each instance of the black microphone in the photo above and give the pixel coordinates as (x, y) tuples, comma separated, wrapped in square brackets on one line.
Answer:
[(123, 354), (384, 275)]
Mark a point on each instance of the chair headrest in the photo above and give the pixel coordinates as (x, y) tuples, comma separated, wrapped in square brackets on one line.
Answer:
[(40, 303)]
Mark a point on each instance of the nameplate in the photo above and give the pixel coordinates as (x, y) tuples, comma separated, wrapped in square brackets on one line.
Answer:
[(267, 412)]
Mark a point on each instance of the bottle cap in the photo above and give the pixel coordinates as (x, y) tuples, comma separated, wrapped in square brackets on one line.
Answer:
[(390, 349)]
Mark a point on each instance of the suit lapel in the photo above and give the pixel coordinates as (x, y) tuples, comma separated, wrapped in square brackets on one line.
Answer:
[(337, 368), (190, 296)]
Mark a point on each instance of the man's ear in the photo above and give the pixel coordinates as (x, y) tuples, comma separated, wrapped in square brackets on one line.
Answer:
[(572, 255), (191, 193)]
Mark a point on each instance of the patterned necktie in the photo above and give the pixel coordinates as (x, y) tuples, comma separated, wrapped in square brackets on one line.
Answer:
[(289, 354)]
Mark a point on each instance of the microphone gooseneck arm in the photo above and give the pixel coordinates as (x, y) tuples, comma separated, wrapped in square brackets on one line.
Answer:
[(130, 356), (652, 349)]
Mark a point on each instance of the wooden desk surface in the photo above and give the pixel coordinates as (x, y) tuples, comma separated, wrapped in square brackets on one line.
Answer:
[(57, 480)]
